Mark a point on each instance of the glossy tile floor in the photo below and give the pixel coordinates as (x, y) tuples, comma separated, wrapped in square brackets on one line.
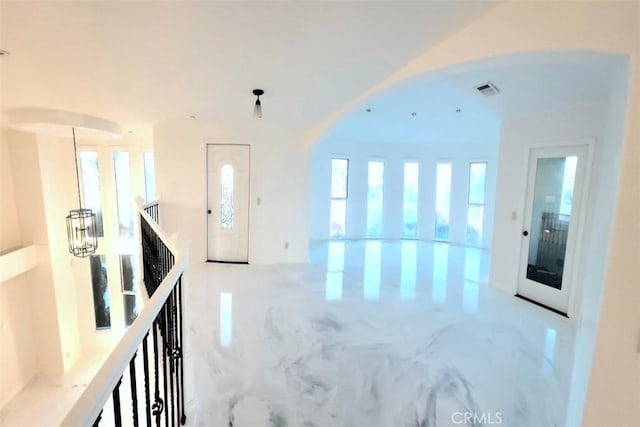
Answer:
[(374, 334), (368, 334)]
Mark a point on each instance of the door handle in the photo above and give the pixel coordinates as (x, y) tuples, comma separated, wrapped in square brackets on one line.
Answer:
[(525, 233), (209, 211)]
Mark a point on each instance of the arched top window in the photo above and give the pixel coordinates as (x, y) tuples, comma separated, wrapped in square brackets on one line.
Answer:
[(226, 198)]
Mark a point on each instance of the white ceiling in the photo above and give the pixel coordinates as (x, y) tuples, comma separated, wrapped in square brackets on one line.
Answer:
[(134, 62), (148, 62), (526, 88)]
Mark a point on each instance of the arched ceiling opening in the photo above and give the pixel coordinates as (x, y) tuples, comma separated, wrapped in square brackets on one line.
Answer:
[(445, 106)]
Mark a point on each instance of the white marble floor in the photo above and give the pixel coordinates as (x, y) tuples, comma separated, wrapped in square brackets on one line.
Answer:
[(374, 334), (368, 334)]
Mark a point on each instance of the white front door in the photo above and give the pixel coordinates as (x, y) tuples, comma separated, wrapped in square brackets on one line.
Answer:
[(552, 223), (228, 170)]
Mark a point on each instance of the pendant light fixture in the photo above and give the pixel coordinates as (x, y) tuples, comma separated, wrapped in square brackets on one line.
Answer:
[(257, 108), (81, 223)]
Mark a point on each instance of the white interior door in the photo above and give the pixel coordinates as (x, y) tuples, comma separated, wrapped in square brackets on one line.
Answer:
[(552, 222), (228, 170)]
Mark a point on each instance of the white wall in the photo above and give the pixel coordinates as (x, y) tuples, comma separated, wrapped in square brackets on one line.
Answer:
[(614, 385), (394, 156), (279, 178), (18, 360), (25, 162), (58, 177)]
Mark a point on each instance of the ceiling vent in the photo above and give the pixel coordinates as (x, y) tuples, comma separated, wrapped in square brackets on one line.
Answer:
[(487, 89)]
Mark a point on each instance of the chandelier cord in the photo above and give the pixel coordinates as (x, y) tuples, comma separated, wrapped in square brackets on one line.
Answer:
[(75, 154)]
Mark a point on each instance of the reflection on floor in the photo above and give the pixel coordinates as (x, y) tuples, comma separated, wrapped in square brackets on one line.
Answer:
[(374, 334)]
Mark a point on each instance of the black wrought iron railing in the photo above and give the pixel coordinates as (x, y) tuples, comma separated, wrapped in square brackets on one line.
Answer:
[(158, 258), (142, 380), (152, 210)]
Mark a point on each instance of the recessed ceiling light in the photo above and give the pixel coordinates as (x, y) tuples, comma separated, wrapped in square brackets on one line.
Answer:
[(368, 110), (4, 52), (192, 117), (414, 114)]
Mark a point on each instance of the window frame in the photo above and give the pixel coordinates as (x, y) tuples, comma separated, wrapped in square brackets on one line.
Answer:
[(101, 228), (382, 221), (476, 204), (419, 167), (151, 168), (333, 199), (117, 192), (449, 162), (125, 292)]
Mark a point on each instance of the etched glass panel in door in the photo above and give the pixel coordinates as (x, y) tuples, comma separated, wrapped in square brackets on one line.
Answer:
[(226, 202), (550, 219)]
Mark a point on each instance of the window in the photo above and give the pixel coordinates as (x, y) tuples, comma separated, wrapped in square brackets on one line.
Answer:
[(90, 182), (114, 270), (443, 200), (128, 280), (410, 206), (339, 192), (149, 176), (226, 197), (475, 208), (100, 287), (375, 199), (123, 193)]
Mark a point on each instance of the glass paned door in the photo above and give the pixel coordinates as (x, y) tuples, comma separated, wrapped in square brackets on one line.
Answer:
[(549, 225), (552, 220), (228, 176)]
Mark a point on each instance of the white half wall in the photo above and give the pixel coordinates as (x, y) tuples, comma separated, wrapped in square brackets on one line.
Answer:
[(18, 359)]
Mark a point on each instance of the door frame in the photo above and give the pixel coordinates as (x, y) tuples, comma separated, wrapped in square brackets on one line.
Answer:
[(206, 198), (575, 291)]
